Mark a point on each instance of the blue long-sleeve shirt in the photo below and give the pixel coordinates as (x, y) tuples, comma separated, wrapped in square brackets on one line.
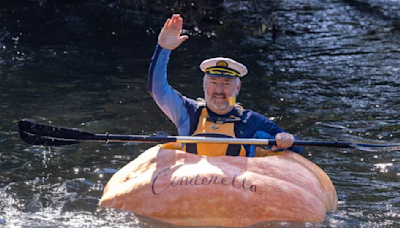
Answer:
[(184, 112)]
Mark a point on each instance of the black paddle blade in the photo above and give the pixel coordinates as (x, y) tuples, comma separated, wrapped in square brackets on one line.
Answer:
[(39, 134), (43, 141)]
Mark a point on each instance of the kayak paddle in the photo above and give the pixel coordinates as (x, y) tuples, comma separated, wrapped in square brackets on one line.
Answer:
[(46, 135)]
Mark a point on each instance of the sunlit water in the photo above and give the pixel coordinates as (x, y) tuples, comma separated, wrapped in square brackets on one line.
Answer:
[(331, 73)]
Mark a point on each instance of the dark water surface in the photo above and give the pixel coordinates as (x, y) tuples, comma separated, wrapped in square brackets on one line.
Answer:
[(329, 72)]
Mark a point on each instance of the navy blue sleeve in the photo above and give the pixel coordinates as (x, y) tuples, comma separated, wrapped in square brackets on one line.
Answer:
[(261, 123), (179, 109)]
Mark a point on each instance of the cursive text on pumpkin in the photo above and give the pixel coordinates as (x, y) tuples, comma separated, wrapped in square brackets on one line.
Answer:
[(198, 180)]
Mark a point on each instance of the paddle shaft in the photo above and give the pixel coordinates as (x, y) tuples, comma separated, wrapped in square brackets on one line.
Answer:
[(197, 139)]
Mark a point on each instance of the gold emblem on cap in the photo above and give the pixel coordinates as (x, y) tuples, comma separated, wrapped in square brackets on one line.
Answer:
[(222, 63)]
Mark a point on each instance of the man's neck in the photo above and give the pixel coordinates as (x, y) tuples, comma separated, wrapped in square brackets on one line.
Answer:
[(219, 112)]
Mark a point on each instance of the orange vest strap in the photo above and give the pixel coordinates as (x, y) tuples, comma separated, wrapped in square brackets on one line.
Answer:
[(220, 127)]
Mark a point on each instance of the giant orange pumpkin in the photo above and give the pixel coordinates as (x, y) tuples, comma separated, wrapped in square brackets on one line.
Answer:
[(191, 190)]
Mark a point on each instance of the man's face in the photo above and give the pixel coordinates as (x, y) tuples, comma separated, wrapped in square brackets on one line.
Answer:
[(217, 91)]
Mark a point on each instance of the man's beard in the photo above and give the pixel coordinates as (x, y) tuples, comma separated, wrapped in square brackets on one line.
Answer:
[(211, 102)]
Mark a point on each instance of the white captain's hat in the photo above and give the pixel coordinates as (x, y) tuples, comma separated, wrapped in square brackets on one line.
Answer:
[(224, 67)]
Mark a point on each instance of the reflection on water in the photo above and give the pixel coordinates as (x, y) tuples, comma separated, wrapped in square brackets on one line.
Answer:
[(329, 71)]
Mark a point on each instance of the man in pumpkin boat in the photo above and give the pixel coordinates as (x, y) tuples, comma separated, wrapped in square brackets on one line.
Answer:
[(217, 115)]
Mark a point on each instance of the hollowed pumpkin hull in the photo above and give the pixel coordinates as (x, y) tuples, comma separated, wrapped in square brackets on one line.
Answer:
[(192, 190)]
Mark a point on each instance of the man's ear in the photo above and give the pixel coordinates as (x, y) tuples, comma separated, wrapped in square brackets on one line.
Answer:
[(204, 83), (238, 88)]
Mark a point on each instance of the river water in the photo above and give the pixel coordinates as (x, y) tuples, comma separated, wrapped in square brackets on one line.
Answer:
[(328, 71)]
